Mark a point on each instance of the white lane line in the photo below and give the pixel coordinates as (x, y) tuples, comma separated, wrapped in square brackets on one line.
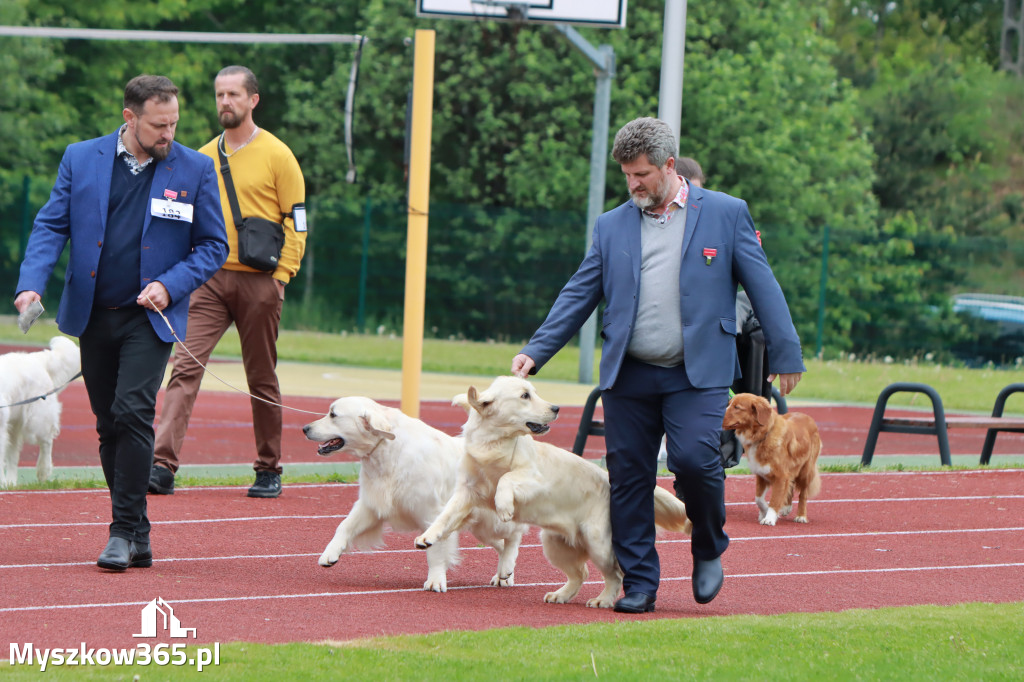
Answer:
[(227, 519), (365, 593), (197, 489), (870, 500), (237, 519), (525, 546)]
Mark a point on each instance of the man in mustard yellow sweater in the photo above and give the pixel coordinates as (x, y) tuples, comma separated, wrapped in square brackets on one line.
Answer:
[(269, 184)]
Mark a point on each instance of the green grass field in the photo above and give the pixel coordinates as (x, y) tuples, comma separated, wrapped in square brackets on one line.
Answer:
[(964, 642)]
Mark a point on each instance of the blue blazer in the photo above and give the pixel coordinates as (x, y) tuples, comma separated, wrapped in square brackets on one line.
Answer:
[(178, 254), (715, 222)]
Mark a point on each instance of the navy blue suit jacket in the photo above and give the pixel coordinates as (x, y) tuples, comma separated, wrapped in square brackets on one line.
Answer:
[(180, 255), (715, 222)]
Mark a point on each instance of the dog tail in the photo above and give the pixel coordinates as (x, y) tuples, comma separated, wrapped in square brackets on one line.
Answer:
[(670, 512)]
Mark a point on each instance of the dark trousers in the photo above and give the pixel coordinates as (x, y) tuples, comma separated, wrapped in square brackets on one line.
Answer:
[(645, 402), (123, 363)]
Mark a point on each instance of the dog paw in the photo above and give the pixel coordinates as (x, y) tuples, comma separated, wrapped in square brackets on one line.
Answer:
[(504, 513), (507, 581), (422, 542), (769, 518), (554, 598), (801, 519), (327, 560), (600, 603), (436, 584), (785, 510)]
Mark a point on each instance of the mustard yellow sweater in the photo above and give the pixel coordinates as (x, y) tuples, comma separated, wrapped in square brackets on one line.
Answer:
[(268, 183)]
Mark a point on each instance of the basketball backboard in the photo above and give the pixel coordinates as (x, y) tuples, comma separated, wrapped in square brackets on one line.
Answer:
[(598, 13)]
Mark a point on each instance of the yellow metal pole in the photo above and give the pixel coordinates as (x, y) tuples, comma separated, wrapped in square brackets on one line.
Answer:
[(419, 208)]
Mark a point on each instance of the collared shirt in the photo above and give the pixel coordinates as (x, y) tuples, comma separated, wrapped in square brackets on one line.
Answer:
[(677, 203), (133, 164)]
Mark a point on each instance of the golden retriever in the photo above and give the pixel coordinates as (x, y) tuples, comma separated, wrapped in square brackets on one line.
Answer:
[(523, 480), (407, 472), (782, 451), (28, 377)]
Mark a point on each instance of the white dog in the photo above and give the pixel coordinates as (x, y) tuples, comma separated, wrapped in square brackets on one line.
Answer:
[(407, 472), (537, 483), (23, 377)]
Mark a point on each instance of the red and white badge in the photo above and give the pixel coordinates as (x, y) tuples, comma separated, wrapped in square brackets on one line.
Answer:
[(709, 254), (170, 194)]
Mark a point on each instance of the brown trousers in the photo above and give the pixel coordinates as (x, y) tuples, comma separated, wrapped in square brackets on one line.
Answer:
[(251, 301)]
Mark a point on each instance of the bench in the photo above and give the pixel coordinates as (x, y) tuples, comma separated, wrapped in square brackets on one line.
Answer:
[(938, 424)]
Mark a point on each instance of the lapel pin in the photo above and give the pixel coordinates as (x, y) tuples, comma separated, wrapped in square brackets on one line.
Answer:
[(709, 254), (170, 194)]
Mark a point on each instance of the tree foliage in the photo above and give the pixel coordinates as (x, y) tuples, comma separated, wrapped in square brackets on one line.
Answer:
[(885, 122)]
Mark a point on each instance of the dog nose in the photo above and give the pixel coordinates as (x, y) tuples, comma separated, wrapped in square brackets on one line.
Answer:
[(305, 429), (554, 408)]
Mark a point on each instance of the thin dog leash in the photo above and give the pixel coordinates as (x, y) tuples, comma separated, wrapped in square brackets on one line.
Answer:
[(43, 396), (211, 373)]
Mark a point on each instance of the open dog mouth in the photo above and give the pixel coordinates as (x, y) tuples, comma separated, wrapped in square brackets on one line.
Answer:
[(332, 445), (537, 428)]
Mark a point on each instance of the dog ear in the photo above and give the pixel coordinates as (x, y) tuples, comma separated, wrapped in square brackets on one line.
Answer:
[(461, 401), (475, 402), (377, 425), (763, 410)]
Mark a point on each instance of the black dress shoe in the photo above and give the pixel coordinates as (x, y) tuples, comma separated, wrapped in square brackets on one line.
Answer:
[(707, 579), (120, 554), (140, 556), (268, 484), (161, 480), (635, 602), (116, 555)]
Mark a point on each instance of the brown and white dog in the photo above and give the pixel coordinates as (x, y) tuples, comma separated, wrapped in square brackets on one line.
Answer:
[(782, 451)]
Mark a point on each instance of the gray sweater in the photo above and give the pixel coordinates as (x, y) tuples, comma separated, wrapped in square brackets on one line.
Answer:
[(657, 336)]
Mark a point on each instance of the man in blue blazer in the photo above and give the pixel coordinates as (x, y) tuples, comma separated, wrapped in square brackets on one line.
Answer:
[(667, 264), (143, 216)]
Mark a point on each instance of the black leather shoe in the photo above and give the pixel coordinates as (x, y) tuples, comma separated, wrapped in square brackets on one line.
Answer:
[(268, 484), (161, 480), (707, 579), (140, 555), (635, 602), (120, 554)]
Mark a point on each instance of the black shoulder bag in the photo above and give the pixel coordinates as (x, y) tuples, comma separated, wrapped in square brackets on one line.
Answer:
[(259, 240)]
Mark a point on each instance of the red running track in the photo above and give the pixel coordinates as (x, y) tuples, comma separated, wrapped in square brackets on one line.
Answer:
[(220, 431), (240, 569)]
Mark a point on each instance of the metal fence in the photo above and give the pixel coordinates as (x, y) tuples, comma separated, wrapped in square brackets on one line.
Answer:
[(492, 274)]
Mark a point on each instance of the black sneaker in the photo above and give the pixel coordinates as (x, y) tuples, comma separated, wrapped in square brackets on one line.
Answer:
[(161, 480), (268, 484)]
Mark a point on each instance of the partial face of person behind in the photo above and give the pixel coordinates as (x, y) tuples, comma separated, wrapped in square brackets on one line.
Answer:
[(234, 103), (649, 185), (153, 128)]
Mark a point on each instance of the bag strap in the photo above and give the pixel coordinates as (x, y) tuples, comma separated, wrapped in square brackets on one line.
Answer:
[(229, 185)]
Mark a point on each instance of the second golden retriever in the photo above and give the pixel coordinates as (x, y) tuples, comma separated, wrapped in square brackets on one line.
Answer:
[(532, 482)]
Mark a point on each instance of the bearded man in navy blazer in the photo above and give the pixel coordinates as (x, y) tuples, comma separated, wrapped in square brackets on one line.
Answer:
[(667, 264), (143, 216)]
